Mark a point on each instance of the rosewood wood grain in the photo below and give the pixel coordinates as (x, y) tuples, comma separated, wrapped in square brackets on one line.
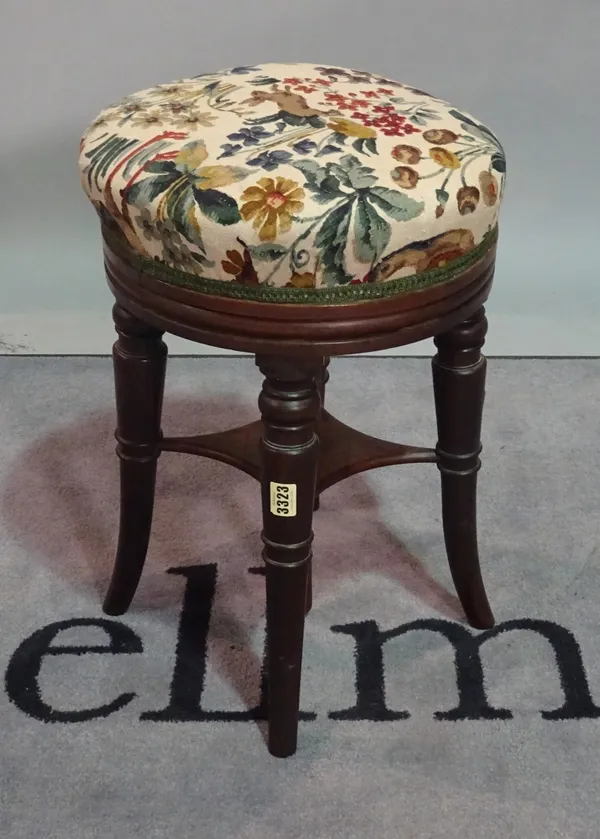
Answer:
[(140, 359), (344, 451), (322, 379), (459, 387), (117, 266), (300, 330)]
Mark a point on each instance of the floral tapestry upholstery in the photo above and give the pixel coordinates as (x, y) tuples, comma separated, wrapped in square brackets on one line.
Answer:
[(294, 182)]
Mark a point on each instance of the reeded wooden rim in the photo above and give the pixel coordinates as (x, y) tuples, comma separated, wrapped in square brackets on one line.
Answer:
[(292, 328)]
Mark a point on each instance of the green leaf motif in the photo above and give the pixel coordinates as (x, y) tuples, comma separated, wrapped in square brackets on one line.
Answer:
[(143, 159), (340, 173), (480, 131), (331, 240), (461, 117), (371, 145), (267, 252), (320, 180), (181, 210), (202, 260), (142, 193), (498, 162), (217, 206), (328, 149), (104, 156), (161, 167), (396, 204), (359, 176), (264, 80), (339, 139), (371, 232)]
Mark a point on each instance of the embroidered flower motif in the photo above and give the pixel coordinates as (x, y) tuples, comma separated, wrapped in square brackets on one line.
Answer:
[(405, 177), (351, 129), (249, 136), (229, 149), (192, 119), (130, 106), (304, 146), (467, 198), (175, 90), (240, 266), (270, 160), (178, 255), (167, 233), (394, 125), (445, 158), (233, 264), (440, 136), (406, 154), (173, 107), (271, 204), (100, 122), (346, 194), (147, 225), (489, 188), (148, 119)]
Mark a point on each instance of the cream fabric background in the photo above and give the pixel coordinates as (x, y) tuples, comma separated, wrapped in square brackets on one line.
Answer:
[(446, 188), (528, 68)]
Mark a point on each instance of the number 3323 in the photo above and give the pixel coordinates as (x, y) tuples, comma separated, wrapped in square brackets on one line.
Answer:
[(283, 499)]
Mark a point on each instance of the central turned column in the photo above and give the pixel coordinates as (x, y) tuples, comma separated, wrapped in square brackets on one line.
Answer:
[(290, 405)]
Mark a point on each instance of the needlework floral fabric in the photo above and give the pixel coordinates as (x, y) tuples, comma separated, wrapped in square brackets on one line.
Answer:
[(297, 176)]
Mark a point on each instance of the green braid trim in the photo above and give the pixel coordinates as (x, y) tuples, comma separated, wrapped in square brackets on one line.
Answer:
[(314, 296)]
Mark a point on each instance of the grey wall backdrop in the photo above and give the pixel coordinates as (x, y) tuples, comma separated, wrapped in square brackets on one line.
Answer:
[(529, 68)]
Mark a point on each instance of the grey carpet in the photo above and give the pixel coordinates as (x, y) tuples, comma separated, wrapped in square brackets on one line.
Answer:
[(378, 557)]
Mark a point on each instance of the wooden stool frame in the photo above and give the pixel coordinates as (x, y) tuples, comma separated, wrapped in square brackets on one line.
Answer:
[(297, 449)]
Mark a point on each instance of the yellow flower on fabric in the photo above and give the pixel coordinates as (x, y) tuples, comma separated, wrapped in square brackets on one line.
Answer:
[(351, 129), (445, 158), (271, 204)]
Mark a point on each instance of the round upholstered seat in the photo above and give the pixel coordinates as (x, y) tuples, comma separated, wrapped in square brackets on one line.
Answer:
[(294, 183)]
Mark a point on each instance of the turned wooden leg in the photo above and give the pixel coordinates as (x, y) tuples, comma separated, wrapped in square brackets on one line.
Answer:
[(289, 405), (140, 359), (322, 378), (459, 387)]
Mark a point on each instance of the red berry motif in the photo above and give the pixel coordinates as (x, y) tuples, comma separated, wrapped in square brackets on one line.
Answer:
[(368, 108)]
